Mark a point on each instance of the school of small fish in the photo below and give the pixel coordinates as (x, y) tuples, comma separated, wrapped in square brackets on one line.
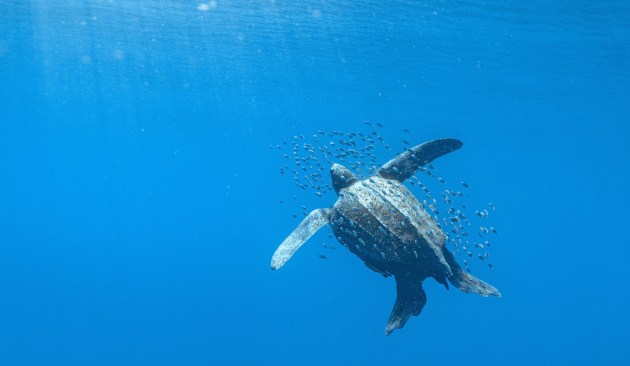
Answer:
[(308, 160)]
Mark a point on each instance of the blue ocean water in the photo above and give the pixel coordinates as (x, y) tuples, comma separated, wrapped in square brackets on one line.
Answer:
[(140, 199)]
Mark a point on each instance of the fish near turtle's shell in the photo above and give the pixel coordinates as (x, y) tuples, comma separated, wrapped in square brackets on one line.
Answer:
[(385, 225), (382, 222)]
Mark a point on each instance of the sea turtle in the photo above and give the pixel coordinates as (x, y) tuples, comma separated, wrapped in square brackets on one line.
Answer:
[(385, 225)]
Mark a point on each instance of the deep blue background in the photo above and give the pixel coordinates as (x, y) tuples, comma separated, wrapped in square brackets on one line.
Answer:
[(139, 198)]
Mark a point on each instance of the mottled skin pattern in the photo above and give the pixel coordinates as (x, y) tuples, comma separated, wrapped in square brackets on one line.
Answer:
[(385, 225)]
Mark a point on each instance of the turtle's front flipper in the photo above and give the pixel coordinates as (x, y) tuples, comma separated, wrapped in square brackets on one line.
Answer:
[(465, 282), (410, 299), (309, 226), (406, 164)]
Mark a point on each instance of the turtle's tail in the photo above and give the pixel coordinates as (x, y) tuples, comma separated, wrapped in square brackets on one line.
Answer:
[(410, 299), (465, 282)]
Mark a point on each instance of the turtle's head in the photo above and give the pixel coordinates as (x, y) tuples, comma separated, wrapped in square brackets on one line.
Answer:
[(341, 177)]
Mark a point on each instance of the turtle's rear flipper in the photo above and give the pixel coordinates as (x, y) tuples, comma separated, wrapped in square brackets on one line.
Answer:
[(410, 299), (465, 282)]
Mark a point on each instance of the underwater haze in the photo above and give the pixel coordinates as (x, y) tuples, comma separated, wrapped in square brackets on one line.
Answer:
[(144, 186)]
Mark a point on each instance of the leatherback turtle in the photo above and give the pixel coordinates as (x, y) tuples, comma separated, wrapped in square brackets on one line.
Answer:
[(385, 225)]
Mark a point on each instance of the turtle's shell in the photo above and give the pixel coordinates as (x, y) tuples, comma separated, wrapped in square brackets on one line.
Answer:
[(384, 224)]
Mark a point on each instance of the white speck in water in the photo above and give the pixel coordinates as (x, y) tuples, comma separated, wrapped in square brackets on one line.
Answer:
[(207, 6), (118, 55)]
